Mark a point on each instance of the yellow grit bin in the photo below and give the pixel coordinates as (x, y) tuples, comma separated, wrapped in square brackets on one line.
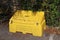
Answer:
[(28, 22)]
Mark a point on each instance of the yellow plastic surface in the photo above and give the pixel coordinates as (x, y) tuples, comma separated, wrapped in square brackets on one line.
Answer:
[(28, 22)]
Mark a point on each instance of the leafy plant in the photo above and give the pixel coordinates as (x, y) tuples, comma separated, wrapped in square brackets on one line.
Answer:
[(50, 7), (53, 15)]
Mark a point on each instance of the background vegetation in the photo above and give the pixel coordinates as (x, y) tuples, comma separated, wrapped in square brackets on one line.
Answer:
[(50, 7)]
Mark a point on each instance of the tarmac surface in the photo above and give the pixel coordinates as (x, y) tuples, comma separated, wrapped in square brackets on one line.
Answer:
[(6, 35)]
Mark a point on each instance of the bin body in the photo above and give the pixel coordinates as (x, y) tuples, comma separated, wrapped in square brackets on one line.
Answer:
[(27, 22)]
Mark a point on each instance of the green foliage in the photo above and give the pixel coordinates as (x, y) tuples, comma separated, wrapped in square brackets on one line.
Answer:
[(29, 5), (53, 15), (51, 7)]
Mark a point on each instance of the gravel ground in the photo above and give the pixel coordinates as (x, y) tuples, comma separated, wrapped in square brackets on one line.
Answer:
[(6, 35)]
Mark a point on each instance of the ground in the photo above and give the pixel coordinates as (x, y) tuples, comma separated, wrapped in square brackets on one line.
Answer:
[(6, 35)]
